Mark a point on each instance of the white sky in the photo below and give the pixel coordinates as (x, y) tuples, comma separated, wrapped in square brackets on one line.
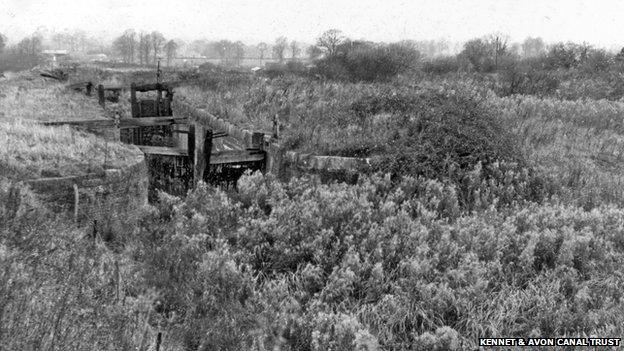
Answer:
[(599, 22)]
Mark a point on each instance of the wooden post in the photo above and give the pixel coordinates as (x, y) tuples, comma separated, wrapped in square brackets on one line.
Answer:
[(159, 109), (158, 340), (133, 101), (275, 127), (190, 142), (201, 153), (207, 148), (257, 141), (101, 95), (134, 110), (76, 200)]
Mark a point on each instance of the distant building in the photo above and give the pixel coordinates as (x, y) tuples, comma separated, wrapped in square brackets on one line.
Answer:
[(55, 56), (97, 57)]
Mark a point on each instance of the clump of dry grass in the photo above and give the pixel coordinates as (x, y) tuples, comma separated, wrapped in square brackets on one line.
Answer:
[(30, 150), (577, 144), (26, 96)]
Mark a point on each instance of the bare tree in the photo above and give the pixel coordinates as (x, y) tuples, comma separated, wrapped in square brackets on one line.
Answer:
[(239, 52), (280, 46), (498, 43), (314, 52), (170, 50), (144, 48), (2, 42), (224, 49), (157, 41), (294, 49), (532, 47), (330, 40), (262, 47), (126, 45)]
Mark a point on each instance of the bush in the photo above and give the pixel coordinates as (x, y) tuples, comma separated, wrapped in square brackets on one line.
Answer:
[(441, 65), (524, 79), (365, 62), (441, 134)]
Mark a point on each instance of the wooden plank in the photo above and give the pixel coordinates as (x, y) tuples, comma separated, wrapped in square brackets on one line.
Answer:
[(124, 123), (163, 150), (236, 156), (94, 123), (214, 158), (151, 121), (114, 88), (232, 144), (150, 87)]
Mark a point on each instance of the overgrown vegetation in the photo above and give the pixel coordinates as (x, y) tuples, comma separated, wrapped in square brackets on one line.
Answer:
[(497, 212)]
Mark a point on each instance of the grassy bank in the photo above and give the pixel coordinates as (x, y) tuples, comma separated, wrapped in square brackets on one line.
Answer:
[(29, 150)]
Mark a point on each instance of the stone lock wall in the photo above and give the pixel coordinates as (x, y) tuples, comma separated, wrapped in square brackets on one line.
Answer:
[(283, 163)]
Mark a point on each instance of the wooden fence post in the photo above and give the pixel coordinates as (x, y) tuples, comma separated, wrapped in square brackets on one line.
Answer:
[(101, 95)]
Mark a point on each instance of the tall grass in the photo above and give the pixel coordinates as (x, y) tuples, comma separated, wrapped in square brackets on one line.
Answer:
[(29, 150), (27, 96), (577, 144)]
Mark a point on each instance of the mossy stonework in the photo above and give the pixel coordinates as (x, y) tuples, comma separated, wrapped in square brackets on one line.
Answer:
[(107, 201)]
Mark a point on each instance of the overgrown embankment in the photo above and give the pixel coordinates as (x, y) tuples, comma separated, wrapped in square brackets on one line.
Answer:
[(70, 170)]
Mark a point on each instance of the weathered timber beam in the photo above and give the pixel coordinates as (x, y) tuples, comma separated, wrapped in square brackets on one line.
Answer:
[(230, 156), (162, 150), (215, 135), (84, 123), (150, 87), (77, 85), (151, 121), (236, 156), (232, 144), (123, 123)]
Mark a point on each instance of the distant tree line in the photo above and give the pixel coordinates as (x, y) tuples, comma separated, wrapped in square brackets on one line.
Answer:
[(23, 55), (144, 48)]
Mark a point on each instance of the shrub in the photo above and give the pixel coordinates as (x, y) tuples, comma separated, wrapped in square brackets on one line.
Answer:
[(441, 65), (366, 62), (523, 79), (445, 134)]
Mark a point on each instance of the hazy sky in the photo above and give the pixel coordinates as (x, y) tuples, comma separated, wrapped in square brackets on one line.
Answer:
[(598, 22)]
